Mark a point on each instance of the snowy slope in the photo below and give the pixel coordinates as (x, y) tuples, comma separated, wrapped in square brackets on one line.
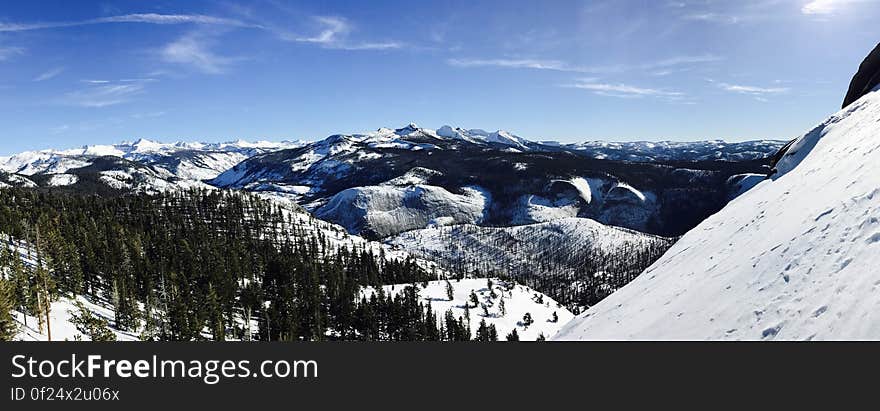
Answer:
[(15, 180), (575, 260), (60, 320), (387, 210), (301, 224), (62, 310), (337, 237), (794, 258), (518, 300), (506, 247)]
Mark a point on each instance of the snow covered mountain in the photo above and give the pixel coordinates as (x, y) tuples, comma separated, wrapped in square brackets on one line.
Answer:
[(794, 258), (107, 174), (181, 160), (652, 151), (390, 181)]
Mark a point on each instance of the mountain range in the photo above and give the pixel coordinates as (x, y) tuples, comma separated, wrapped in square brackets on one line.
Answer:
[(574, 222), (393, 180)]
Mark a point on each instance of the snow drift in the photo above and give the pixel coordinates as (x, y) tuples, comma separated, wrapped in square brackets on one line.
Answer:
[(794, 258)]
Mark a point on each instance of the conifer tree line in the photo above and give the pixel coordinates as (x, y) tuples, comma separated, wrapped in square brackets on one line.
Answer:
[(199, 265)]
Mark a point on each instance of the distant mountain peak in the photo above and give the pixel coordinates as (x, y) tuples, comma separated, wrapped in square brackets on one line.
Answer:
[(408, 129)]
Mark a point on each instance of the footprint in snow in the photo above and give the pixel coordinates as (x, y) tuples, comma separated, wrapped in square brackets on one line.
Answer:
[(771, 332), (845, 263)]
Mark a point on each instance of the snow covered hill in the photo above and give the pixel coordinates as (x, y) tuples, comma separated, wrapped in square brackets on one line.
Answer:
[(15, 180), (381, 211), (577, 260), (63, 327), (794, 258), (519, 300)]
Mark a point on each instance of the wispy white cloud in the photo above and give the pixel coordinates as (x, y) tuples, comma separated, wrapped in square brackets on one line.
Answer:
[(334, 33), (713, 17), (333, 29), (622, 90), (152, 114), (752, 90), (50, 74), (194, 50), (730, 12), (388, 45), (7, 53), (825, 7), (558, 65), (148, 18), (154, 18), (104, 95), (555, 65), (680, 61)]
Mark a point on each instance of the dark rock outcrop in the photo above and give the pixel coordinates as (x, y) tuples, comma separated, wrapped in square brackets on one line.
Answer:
[(865, 79)]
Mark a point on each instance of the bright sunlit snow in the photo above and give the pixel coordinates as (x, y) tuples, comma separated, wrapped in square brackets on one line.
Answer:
[(794, 258)]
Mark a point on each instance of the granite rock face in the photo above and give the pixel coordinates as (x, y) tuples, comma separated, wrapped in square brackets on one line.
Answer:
[(865, 79)]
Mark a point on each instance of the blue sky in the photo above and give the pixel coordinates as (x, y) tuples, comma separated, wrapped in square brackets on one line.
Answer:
[(74, 73)]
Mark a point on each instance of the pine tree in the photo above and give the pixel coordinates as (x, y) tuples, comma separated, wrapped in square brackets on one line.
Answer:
[(513, 336), (20, 283), (449, 291), (43, 289), (482, 332), (527, 320), (464, 330), (501, 307), (554, 318), (96, 328), (8, 327)]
